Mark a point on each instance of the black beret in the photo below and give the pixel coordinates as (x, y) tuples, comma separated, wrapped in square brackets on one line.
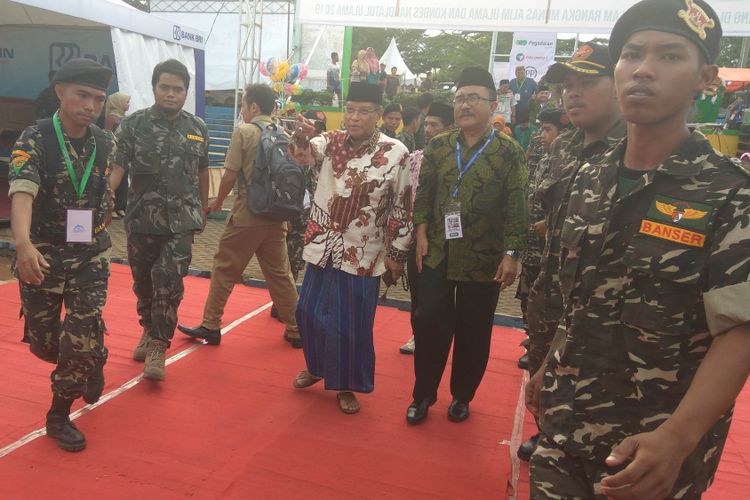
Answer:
[(476, 76), (84, 72), (365, 92), (693, 19), (590, 59), (555, 116), (442, 111)]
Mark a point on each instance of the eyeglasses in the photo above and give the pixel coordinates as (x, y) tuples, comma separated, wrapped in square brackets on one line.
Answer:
[(363, 112), (471, 99)]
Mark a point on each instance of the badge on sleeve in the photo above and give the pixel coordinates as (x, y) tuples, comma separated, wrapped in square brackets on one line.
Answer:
[(18, 159)]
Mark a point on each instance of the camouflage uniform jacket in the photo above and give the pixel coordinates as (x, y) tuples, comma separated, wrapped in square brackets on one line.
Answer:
[(163, 158), (53, 191), (534, 162), (566, 156), (493, 204), (649, 279)]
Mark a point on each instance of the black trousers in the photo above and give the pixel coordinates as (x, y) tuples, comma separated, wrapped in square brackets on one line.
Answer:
[(412, 275), (449, 310)]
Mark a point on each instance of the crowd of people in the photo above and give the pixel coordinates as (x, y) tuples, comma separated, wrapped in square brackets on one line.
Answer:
[(628, 229)]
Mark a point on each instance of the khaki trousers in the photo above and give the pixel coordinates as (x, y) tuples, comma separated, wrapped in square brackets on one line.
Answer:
[(236, 247)]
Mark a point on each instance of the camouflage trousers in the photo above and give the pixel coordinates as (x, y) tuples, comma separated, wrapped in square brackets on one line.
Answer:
[(540, 328), (525, 282), (77, 278), (556, 474), (295, 243), (158, 264)]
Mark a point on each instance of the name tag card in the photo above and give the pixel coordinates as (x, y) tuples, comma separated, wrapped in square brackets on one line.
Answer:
[(453, 229), (79, 225)]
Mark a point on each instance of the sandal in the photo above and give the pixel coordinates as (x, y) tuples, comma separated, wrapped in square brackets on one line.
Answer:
[(348, 402), (305, 379)]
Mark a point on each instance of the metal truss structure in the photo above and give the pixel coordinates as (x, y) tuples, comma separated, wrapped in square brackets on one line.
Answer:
[(219, 6)]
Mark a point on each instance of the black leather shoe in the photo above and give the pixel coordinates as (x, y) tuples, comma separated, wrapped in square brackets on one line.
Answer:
[(525, 342), (527, 448), (212, 337), (95, 383), (68, 437), (458, 411), (523, 362), (418, 411), (275, 313), (296, 342)]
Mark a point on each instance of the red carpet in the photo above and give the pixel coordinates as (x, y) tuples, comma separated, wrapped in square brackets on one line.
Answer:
[(228, 424)]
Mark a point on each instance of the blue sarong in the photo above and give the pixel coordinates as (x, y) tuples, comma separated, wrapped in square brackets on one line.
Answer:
[(335, 316)]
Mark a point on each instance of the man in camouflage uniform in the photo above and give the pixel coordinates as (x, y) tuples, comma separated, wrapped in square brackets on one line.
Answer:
[(164, 149), (642, 375), (590, 103), (59, 168)]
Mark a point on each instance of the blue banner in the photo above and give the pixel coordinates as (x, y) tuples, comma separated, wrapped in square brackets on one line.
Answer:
[(28, 54)]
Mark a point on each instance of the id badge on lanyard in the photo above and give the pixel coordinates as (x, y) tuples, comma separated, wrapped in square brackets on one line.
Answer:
[(79, 225), (79, 222), (453, 228)]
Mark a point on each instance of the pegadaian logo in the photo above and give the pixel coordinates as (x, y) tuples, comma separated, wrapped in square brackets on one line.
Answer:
[(522, 42)]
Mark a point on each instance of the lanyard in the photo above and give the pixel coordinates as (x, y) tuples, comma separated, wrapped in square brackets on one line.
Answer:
[(79, 188), (463, 169)]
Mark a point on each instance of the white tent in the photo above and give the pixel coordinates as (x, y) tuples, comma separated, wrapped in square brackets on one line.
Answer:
[(39, 36), (392, 57)]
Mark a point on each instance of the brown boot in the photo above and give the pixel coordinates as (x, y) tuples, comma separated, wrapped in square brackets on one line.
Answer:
[(154, 368), (139, 354)]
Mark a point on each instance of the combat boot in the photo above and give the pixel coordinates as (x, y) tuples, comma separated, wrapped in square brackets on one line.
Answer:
[(95, 383), (60, 428), (139, 354), (154, 369)]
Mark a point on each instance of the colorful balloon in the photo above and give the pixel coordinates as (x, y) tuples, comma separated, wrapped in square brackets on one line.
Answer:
[(293, 73), (272, 65), (263, 69), (302, 71), (288, 89)]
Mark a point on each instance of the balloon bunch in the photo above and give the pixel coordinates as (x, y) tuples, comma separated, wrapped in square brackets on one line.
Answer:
[(286, 77)]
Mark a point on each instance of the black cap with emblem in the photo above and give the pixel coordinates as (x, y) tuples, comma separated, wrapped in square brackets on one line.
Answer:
[(692, 19), (590, 59), (84, 72)]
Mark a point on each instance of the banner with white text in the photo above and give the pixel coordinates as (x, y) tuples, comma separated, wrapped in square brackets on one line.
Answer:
[(557, 16)]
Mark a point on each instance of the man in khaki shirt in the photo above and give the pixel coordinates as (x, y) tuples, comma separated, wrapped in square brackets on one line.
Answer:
[(246, 234)]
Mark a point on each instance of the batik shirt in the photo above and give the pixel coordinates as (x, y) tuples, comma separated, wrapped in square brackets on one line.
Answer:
[(492, 195), (163, 158), (649, 278), (360, 211)]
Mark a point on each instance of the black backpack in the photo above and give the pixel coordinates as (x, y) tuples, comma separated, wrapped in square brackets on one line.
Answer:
[(277, 189)]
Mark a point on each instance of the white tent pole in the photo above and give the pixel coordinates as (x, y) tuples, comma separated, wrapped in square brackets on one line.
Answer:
[(315, 45), (493, 46)]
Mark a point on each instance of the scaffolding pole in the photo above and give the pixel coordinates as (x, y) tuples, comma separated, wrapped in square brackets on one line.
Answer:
[(250, 18)]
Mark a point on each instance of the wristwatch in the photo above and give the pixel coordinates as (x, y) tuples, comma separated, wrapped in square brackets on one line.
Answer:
[(513, 253)]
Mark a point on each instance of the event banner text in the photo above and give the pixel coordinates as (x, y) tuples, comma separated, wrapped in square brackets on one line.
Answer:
[(485, 15)]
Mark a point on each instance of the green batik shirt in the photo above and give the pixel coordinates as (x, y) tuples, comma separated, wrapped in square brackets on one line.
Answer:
[(53, 191), (492, 195), (650, 278), (163, 158)]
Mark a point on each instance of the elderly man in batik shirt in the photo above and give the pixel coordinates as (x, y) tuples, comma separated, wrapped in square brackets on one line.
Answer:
[(359, 228)]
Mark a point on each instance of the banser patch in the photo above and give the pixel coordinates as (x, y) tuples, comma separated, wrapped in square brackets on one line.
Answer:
[(677, 220), (196, 138)]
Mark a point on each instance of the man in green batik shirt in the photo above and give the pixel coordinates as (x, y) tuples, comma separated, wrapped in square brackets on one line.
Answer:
[(165, 151), (471, 221)]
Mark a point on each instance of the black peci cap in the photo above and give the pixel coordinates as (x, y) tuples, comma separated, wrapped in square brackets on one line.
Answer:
[(692, 19), (476, 76), (365, 92), (442, 111), (84, 72)]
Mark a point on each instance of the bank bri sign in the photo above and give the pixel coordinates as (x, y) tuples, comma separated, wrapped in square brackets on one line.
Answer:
[(179, 35)]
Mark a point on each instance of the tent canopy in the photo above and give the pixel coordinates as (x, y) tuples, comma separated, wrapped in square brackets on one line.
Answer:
[(392, 57), (735, 78), (115, 34)]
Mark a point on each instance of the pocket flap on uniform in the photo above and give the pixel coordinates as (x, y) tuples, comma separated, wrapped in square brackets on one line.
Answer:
[(665, 260)]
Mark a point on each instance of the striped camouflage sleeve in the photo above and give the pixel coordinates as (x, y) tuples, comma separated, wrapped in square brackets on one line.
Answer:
[(516, 202), (25, 158), (728, 289)]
